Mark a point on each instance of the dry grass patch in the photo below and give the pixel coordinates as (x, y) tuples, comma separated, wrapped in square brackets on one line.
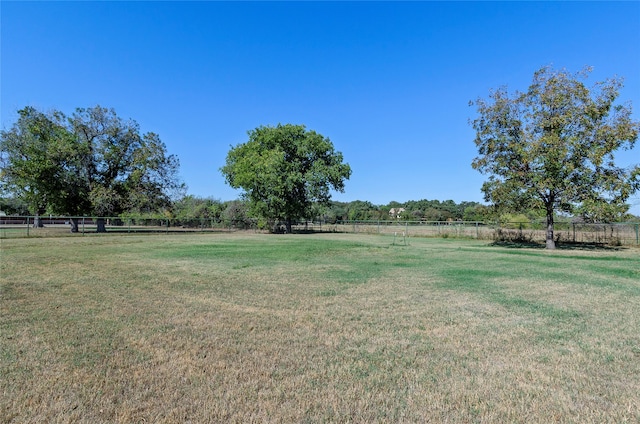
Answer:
[(315, 328)]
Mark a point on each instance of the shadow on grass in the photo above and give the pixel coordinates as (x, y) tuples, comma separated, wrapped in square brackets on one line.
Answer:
[(310, 231), (559, 246), (518, 244), (590, 246)]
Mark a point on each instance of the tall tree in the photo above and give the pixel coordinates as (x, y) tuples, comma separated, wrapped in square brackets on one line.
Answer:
[(122, 169), (36, 159), (284, 170), (91, 163), (552, 147)]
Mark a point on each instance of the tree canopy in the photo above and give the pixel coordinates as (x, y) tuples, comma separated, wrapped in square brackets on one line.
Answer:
[(90, 163), (552, 147), (284, 170)]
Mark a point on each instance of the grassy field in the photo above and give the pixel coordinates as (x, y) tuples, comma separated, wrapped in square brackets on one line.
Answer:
[(315, 328)]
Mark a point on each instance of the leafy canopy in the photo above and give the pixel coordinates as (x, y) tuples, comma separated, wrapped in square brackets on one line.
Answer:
[(90, 163), (284, 170), (37, 160), (552, 147)]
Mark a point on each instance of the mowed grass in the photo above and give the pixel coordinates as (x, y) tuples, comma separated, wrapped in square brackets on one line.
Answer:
[(315, 328)]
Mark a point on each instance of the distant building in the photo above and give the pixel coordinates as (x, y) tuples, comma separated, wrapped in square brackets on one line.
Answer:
[(396, 212)]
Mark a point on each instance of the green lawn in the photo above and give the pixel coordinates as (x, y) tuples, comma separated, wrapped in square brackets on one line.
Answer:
[(315, 328)]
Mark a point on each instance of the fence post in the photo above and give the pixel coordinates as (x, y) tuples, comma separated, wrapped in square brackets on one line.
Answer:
[(28, 226), (637, 240)]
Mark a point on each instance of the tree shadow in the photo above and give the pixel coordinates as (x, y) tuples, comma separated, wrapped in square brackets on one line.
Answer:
[(559, 246), (590, 246), (518, 244)]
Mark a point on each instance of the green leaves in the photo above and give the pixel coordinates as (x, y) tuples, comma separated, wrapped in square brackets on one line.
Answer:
[(35, 158), (90, 163), (554, 145), (284, 170)]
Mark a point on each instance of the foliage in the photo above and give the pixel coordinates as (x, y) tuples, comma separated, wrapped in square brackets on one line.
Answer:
[(476, 213), (335, 212), (37, 160), (123, 170), (552, 148), (13, 206), (90, 163), (358, 210), (425, 210), (193, 207), (236, 214), (515, 220), (284, 170)]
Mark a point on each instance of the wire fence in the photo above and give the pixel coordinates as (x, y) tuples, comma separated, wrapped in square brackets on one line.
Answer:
[(615, 234), (30, 226)]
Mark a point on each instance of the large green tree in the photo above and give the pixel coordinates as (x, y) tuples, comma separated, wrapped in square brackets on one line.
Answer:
[(123, 170), (284, 170), (37, 161), (552, 147), (92, 163)]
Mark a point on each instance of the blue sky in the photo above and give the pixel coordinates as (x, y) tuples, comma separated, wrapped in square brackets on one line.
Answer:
[(388, 83)]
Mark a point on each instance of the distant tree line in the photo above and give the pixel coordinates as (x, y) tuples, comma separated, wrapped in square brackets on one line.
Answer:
[(548, 154), (413, 210), (237, 212), (193, 207)]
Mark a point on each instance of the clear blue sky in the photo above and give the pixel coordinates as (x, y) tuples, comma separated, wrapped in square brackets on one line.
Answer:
[(388, 83)]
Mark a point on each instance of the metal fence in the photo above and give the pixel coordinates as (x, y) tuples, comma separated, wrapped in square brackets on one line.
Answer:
[(533, 232), (51, 226), (615, 234)]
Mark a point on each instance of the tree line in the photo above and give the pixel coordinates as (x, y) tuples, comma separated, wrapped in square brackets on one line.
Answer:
[(238, 211), (193, 207), (548, 153), (90, 163)]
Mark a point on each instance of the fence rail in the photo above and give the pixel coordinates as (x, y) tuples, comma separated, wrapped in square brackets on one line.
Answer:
[(565, 232), (51, 226), (535, 232)]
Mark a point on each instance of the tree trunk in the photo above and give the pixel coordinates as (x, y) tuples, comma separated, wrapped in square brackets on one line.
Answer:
[(101, 228), (37, 221), (288, 225), (74, 224), (551, 244)]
